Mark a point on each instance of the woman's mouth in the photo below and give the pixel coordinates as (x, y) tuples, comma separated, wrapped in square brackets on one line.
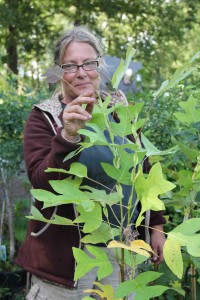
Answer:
[(81, 84)]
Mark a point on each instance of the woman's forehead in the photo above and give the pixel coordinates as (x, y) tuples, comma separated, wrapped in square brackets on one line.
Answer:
[(78, 50)]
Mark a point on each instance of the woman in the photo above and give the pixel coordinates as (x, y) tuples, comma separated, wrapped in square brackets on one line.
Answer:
[(51, 133)]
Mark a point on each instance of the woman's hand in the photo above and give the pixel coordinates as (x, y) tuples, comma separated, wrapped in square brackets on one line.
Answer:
[(75, 116), (157, 243)]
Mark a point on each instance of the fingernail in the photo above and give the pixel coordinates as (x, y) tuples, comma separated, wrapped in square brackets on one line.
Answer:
[(155, 258)]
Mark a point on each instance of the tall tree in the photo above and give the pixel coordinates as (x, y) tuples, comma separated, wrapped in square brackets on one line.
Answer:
[(25, 27)]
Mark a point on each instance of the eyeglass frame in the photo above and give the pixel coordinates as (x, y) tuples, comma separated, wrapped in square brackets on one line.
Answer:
[(82, 65)]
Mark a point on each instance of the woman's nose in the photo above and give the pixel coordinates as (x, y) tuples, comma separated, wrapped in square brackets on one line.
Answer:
[(81, 72)]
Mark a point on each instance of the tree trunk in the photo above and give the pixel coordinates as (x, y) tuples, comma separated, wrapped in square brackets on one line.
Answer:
[(12, 36), (11, 48)]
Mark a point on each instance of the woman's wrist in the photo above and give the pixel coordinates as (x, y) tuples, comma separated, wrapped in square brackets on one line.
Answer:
[(72, 139)]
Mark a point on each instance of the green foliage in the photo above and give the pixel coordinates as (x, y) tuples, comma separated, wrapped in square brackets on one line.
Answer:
[(140, 287), (123, 66), (15, 103), (85, 263), (184, 235), (191, 112), (148, 189), (14, 107)]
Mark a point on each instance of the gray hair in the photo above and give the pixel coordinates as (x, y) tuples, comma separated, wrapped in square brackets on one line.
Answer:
[(76, 34)]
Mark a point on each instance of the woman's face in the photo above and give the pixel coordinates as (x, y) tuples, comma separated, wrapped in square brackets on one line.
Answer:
[(81, 81)]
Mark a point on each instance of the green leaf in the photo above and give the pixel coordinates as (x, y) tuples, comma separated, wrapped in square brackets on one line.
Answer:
[(102, 235), (92, 219), (191, 154), (192, 111), (139, 124), (180, 74), (195, 56), (105, 292), (57, 220), (185, 234), (139, 287), (121, 175), (101, 196), (148, 189), (78, 169), (71, 154), (104, 104), (173, 257), (70, 193), (152, 150), (130, 111), (185, 180), (188, 227), (123, 66), (127, 114), (85, 262)]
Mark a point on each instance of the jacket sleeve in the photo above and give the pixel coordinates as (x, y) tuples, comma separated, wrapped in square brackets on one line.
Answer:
[(43, 149)]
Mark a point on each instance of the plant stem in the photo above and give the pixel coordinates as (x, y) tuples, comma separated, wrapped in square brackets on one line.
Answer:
[(193, 283), (122, 266)]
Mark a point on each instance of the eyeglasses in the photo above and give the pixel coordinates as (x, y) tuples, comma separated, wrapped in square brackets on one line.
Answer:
[(87, 66)]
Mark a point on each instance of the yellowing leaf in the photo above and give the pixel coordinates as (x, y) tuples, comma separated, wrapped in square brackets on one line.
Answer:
[(173, 257), (137, 246), (106, 293)]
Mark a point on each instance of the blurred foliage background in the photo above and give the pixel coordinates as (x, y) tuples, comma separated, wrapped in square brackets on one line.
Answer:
[(165, 32)]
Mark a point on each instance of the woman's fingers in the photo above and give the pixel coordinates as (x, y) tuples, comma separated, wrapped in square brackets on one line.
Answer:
[(82, 100), (76, 112)]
